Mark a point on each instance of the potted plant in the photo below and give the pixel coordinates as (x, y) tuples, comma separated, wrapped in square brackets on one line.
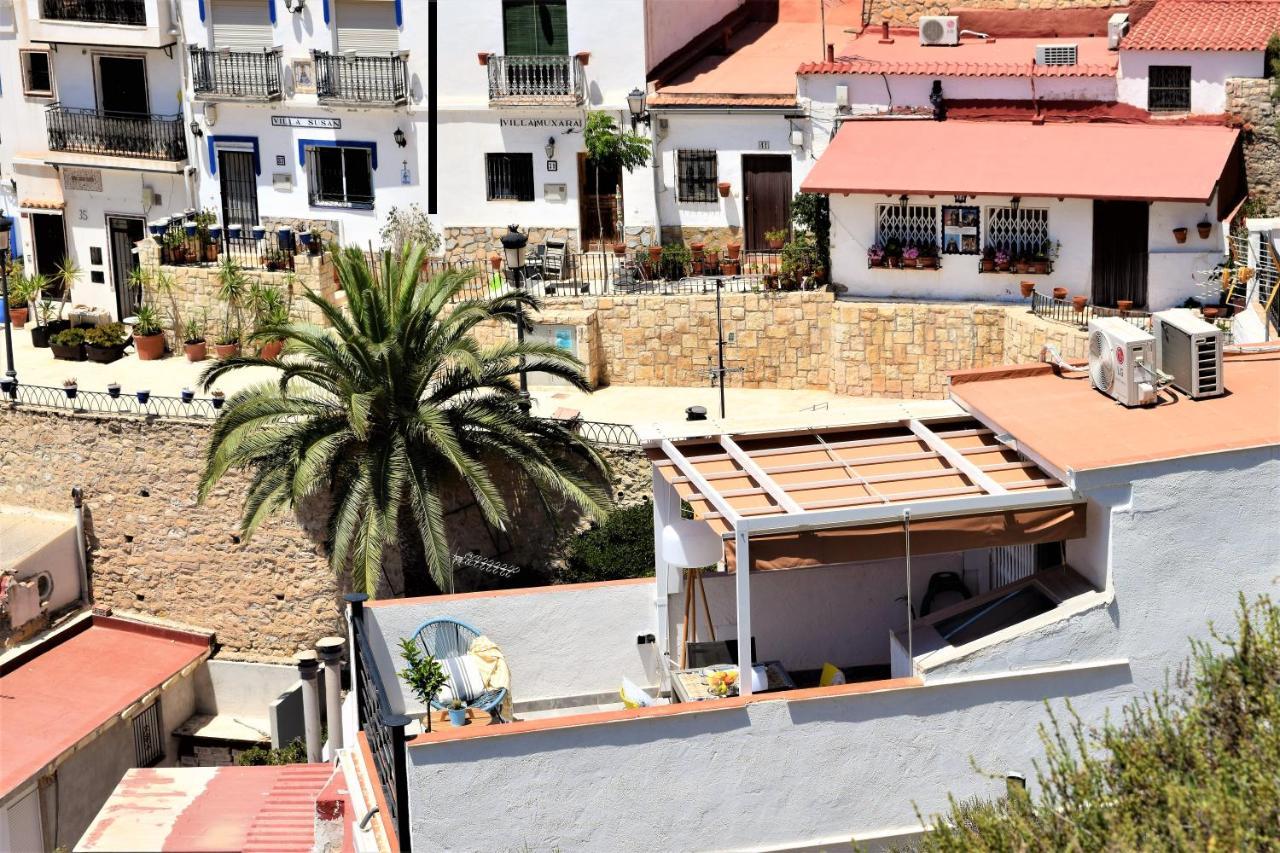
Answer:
[(1001, 259), (1204, 227), (909, 256), (775, 239), (495, 262), (235, 231), (928, 255), (1078, 303), (44, 329), (113, 390), (70, 388), (1028, 288), (729, 267), (259, 232), (193, 342), (675, 260), (988, 259), (655, 253), (143, 396), (232, 290), (189, 228), (724, 188), (157, 229), (733, 251), (893, 252), (1059, 293), (227, 345), (148, 334), (187, 395), (423, 674), (305, 238), (8, 385), (712, 263), (875, 255), (105, 344), (217, 398), (20, 293), (1180, 234), (619, 249), (457, 713), (1124, 306), (172, 248), (68, 345), (215, 232), (275, 317), (1040, 260)]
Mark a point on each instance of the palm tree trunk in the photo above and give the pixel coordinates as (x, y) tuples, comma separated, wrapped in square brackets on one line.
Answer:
[(413, 563)]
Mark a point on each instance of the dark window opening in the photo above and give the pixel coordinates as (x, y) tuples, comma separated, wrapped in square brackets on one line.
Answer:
[(1169, 88), (696, 173), (509, 177), (37, 74), (340, 176), (990, 616)]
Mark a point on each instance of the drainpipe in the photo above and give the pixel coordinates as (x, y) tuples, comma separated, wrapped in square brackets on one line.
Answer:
[(330, 651), (77, 498), (308, 669)]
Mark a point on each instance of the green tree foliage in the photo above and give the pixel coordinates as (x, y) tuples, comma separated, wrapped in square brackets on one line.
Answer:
[(391, 409), (294, 752), (621, 547), (609, 148), (1192, 768), (811, 213)]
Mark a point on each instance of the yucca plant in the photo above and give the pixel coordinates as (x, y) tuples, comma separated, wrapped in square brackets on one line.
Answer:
[(391, 409)]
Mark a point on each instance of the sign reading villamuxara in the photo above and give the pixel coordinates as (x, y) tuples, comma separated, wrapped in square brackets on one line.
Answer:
[(303, 121)]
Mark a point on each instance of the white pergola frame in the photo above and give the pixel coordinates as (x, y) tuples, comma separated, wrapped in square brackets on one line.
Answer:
[(794, 519)]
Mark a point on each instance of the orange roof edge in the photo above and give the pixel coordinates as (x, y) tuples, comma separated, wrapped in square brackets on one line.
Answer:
[(1003, 371)]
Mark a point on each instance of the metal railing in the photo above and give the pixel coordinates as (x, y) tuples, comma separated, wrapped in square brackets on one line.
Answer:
[(271, 251), (236, 74), (367, 80), (131, 12), (1064, 311), (153, 137), (536, 79), (606, 274), (383, 729)]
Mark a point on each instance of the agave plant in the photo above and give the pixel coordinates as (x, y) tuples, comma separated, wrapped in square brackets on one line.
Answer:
[(392, 408)]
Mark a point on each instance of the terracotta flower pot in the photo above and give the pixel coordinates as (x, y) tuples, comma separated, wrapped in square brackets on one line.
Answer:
[(724, 188), (697, 248), (1204, 229), (1124, 305), (729, 268), (225, 351), (774, 245), (149, 347), (1078, 303), (1028, 288), (495, 261), (733, 250), (926, 262), (1211, 312), (18, 316), (1059, 293), (988, 265), (270, 350), (197, 351), (1180, 234), (619, 249), (655, 253)]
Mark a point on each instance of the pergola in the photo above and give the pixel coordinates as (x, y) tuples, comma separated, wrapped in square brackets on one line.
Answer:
[(842, 494)]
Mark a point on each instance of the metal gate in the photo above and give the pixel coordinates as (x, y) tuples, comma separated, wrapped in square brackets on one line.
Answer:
[(239, 185), (125, 232)]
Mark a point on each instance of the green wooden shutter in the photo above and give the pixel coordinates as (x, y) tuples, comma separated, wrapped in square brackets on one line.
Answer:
[(553, 28), (535, 27)]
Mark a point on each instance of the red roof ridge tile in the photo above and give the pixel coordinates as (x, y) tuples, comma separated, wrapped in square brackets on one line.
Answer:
[(1227, 25)]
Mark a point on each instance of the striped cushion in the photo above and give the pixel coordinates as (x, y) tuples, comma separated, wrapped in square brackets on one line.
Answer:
[(464, 679)]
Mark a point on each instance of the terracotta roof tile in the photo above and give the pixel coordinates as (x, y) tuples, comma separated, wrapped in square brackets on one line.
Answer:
[(957, 69), (903, 54), (663, 99), (1205, 25)]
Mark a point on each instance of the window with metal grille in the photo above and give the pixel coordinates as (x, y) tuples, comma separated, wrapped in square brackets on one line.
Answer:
[(509, 177), (37, 73), (1020, 232), (340, 176), (914, 224), (148, 736), (696, 175), (1169, 88)]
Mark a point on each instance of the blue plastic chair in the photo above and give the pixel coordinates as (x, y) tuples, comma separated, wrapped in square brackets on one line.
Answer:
[(450, 638)]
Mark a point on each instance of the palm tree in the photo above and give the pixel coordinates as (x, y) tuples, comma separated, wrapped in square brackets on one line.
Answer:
[(391, 408)]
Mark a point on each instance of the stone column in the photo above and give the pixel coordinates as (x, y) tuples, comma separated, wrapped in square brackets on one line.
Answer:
[(330, 651), (308, 669)]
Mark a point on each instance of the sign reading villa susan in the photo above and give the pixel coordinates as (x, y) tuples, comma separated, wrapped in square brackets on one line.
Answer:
[(301, 121)]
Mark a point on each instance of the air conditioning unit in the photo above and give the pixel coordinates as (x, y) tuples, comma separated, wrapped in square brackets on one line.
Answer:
[(1189, 350), (1121, 358), (1117, 28), (940, 29), (1056, 54)]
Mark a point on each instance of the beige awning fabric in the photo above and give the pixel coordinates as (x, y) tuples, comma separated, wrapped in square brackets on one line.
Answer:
[(928, 536)]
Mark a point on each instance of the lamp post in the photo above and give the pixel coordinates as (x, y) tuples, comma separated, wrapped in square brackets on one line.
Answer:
[(10, 375), (635, 106), (513, 246)]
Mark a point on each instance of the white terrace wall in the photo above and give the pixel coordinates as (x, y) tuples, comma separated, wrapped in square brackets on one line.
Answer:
[(1210, 71)]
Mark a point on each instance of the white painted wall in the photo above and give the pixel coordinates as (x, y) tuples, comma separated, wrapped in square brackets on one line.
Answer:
[(868, 92), (157, 32), (1209, 73), (669, 24), (1175, 270)]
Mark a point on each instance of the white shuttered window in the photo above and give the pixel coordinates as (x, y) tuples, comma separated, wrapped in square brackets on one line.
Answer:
[(242, 25), (367, 26)]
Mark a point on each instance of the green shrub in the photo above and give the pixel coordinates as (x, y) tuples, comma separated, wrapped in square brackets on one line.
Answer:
[(110, 335), (294, 752), (68, 338), (621, 547)]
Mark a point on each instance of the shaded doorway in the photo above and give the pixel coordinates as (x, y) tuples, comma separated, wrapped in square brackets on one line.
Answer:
[(766, 197), (122, 85), (50, 244), (238, 184), (123, 233), (599, 205), (1120, 252)]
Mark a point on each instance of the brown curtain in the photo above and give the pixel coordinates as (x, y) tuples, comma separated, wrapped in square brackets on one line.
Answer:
[(1120, 252)]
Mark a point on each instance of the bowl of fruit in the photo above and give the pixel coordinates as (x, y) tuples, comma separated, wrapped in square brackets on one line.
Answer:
[(722, 682)]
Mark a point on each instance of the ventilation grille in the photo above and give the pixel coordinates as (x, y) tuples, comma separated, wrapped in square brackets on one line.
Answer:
[(1056, 54), (1207, 366)]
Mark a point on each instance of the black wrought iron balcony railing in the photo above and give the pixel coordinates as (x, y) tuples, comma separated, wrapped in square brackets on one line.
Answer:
[(362, 79), (154, 137), (245, 75), (536, 80), (131, 12)]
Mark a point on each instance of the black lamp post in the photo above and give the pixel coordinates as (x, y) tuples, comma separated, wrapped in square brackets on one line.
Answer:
[(636, 106), (513, 246), (10, 375)]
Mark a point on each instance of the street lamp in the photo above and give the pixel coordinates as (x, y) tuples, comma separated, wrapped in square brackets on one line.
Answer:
[(10, 375), (513, 246), (635, 105), (399, 137)]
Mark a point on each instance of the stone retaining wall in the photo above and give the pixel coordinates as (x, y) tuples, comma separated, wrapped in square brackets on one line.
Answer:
[(1252, 101), (908, 12), (463, 244)]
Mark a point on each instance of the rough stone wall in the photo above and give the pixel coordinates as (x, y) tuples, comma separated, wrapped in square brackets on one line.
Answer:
[(1251, 102), (715, 237), (328, 227), (908, 12), (1025, 335), (469, 244)]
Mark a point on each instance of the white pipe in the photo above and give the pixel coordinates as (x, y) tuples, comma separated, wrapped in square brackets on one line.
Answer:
[(329, 651), (77, 497), (911, 616), (308, 670), (742, 547)]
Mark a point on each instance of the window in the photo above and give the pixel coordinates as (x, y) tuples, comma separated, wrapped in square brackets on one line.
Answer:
[(1020, 233), (1169, 88), (37, 73), (509, 177), (535, 27), (340, 175), (696, 175), (915, 224)]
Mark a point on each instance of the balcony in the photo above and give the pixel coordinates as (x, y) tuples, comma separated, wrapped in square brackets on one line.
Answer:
[(127, 12), (87, 131), (219, 75), (522, 81), (368, 81)]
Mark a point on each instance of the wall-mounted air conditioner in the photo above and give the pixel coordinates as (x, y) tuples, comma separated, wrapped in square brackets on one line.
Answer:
[(1056, 54), (940, 29), (1189, 350), (1121, 358), (1117, 28)]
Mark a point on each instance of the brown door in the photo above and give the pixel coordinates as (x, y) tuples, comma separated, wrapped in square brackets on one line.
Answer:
[(1120, 252), (766, 197), (599, 205)]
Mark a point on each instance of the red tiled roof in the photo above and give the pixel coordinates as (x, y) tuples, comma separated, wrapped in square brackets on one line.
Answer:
[(972, 57), (1205, 25), (663, 99)]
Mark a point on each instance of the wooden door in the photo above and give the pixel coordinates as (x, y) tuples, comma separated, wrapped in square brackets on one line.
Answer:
[(1120, 252), (599, 205), (766, 196)]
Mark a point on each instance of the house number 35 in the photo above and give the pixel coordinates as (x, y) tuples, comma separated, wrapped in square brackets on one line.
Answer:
[(84, 215)]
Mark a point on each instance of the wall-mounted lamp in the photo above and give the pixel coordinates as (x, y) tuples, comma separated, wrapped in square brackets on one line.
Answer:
[(196, 130), (902, 202), (961, 199), (635, 105), (1014, 203), (398, 136), (295, 6), (550, 148)]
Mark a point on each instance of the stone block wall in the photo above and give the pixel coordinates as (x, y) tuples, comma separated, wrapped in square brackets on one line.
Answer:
[(908, 12), (469, 244), (715, 237), (1252, 102)]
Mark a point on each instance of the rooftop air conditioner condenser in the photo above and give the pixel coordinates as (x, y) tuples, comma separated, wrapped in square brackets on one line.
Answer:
[(940, 29), (1189, 350), (1122, 361)]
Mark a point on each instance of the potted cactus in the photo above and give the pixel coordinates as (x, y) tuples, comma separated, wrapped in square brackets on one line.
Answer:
[(217, 398), (113, 390), (457, 713), (194, 344), (70, 388)]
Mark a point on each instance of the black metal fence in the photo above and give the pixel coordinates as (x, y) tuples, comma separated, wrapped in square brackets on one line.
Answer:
[(368, 80), (132, 12), (607, 274), (1064, 311), (251, 248), (153, 137), (536, 78), (236, 74)]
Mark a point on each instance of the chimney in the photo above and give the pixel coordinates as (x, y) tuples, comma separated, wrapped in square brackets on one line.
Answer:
[(831, 52), (884, 32), (308, 669), (329, 650)]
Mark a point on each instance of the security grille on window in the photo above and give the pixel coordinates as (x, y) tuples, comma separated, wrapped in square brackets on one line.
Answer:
[(696, 172), (1020, 232), (340, 176), (509, 177), (37, 75), (916, 223), (1169, 88), (148, 736)]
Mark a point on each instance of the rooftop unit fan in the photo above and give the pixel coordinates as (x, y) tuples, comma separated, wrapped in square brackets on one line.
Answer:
[(1122, 361), (940, 30)]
